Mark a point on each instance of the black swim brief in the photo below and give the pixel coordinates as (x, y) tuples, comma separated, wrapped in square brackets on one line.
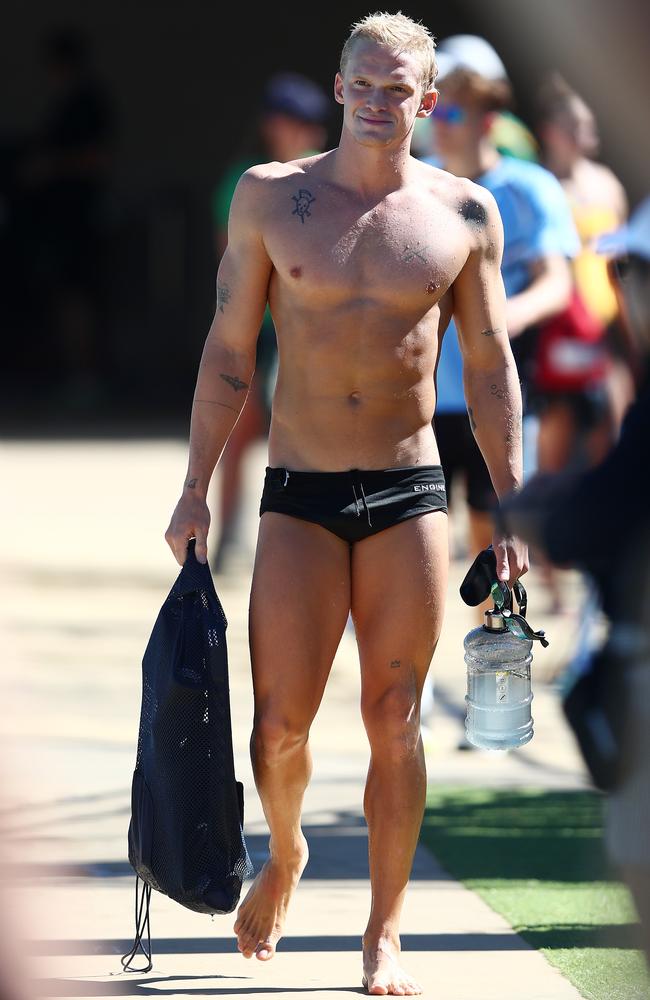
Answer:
[(358, 502)]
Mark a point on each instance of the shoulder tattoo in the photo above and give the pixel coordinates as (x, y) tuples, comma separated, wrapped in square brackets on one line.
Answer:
[(472, 211)]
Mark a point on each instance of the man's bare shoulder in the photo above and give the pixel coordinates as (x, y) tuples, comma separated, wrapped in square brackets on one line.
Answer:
[(258, 187), (275, 174), (472, 202)]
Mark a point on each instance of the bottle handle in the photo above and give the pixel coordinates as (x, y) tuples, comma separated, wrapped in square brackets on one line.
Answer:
[(515, 621)]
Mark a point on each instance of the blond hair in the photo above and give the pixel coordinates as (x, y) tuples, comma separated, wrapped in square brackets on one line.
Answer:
[(401, 33)]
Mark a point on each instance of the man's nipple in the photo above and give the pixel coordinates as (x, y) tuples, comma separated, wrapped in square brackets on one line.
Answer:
[(296, 272)]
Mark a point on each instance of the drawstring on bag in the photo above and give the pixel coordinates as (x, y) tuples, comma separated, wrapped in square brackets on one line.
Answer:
[(140, 925)]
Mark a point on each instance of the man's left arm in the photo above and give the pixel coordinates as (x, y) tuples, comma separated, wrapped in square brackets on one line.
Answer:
[(490, 378)]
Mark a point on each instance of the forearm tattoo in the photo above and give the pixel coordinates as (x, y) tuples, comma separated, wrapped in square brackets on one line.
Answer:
[(490, 333), (223, 296), (472, 422), (473, 211), (496, 391), (234, 381), (191, 484), (304, 200)]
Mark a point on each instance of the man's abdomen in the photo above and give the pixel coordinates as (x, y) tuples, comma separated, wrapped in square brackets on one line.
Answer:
[(354, 431)]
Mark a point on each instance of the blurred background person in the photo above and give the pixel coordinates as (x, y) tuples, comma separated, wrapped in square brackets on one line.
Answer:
[(583, 382), (63, 189), (292, 124), (539, 237), (599, 521)]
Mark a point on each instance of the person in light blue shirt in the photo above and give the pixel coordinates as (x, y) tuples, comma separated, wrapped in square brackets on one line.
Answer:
[(539, 239)]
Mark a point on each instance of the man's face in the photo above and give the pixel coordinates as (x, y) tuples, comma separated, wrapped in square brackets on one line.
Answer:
[(458, 125), (382, 94)]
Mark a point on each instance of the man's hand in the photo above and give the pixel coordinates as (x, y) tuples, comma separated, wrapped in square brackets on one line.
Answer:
[(526, 512), (191, 519), (512, 557)]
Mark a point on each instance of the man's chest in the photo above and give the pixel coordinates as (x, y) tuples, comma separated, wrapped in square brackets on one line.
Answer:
[(323, 247)]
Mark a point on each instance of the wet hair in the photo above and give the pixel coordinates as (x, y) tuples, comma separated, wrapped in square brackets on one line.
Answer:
[(400, 33), (485, 94)]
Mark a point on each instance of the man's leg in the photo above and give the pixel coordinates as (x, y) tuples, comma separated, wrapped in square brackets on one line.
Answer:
[(300, 599), (399, 579)]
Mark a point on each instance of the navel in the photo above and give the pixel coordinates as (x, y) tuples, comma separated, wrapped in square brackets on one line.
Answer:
[(354, 398)]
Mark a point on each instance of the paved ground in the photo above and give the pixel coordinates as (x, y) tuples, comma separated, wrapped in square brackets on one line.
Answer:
[(85, 570)]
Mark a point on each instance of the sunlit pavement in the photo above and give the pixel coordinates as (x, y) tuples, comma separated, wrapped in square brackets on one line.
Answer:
[(85, 570)]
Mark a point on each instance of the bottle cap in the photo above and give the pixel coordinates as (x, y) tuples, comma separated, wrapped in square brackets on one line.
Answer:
[(494, 621)]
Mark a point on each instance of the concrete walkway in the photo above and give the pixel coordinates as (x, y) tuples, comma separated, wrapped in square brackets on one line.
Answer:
[(85, 570)]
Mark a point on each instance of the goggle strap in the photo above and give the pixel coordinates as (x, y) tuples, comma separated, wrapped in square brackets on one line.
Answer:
[(521, 597), (525, 627)]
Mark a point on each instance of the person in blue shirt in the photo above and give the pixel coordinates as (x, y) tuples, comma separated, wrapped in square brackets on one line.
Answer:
[(539, 238)]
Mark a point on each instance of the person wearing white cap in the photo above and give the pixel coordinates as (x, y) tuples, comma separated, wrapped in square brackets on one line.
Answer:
[(600, 522), (539, 236)]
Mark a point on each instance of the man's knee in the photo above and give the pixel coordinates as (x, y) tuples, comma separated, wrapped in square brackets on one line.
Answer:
[(392, 721), (275, 735)]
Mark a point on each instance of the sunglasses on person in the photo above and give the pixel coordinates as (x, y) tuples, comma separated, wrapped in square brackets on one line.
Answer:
[(450, 114)]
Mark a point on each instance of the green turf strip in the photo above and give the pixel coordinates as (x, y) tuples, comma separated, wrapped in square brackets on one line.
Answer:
[(537, 858)]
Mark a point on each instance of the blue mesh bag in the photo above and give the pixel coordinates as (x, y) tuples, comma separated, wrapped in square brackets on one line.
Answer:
[(185, 836)]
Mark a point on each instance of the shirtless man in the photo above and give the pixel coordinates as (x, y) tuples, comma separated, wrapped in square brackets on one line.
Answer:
[(362, 251)]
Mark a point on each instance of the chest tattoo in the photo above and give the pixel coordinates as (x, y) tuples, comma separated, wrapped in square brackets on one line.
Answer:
[(411, 253), (304, 199)]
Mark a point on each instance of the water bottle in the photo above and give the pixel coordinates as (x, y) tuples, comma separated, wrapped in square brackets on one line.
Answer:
[(498, 655)]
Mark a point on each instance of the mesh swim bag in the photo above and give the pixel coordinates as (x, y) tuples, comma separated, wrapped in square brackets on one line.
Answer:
[(185, 836)]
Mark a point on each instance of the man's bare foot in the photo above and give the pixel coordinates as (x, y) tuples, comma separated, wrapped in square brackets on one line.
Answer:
[(261, 916), (382, 972)]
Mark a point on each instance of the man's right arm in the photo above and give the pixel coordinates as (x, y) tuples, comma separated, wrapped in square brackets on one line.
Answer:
[(227, 363)]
